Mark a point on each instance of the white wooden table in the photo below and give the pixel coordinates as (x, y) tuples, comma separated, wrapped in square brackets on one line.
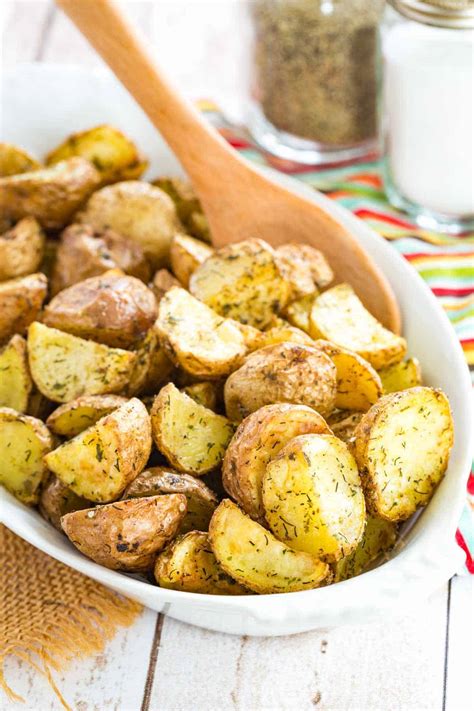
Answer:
[(422, 661)]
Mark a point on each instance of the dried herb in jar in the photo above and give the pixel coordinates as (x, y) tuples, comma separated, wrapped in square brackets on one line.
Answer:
[(316, 67)]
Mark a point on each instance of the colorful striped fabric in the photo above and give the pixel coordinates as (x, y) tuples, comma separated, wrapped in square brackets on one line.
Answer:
[(445, 262)]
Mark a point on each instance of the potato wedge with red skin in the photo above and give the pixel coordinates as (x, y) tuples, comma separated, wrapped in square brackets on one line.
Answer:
[(56, 500), (21, 300), (258, 440), (126, 535), (21, 249)]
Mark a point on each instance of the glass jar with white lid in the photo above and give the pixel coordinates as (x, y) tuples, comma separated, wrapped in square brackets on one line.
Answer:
[(429, 112)]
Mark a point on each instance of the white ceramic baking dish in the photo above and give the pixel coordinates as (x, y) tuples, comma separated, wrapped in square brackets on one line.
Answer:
[(40, 104)]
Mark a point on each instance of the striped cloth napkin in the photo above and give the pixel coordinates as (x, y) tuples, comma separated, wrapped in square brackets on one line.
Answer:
[(445, 262)]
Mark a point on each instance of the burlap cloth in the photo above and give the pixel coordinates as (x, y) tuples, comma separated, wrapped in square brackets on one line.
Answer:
[(51, 614)]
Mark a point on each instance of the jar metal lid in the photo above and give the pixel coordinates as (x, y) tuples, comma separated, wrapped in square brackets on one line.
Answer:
[(455, 14)]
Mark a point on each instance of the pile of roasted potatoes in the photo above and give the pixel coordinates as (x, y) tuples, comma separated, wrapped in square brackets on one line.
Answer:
[(224, 421)]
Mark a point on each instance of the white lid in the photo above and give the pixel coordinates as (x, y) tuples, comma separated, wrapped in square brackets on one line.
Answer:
[(456, 14)]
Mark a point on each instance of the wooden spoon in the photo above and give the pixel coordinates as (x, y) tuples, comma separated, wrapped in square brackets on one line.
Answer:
[(239, 199)]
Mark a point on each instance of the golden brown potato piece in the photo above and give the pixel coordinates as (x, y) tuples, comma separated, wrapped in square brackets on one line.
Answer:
[(162, 282), (65, 366), (84, 253), (400, 376), (145, 353), (21, 249), (140, 212), (20, 302), (338, 316), (14, 160), (196, 338), (198, 226), (56, 500), (201, 500), (15, 378), (203, 393), (258, 439), (305, 268), (191, 437), (77, 415), (379, 537), (313, 497), (186, 254), (358, 384), (189, 564), (51, 195), (283, 331), (24, 441), (402, 447), (113, 154), (287, 372), (343, 424), (242, 281), (114, 309), (126, 535), (100, 461), (298, 312), (187, 204), (255, 558)]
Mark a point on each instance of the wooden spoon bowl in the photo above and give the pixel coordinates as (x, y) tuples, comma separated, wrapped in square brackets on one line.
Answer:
[(239, 199)]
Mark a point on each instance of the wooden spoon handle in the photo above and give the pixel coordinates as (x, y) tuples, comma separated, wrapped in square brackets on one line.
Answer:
[(121, 47)]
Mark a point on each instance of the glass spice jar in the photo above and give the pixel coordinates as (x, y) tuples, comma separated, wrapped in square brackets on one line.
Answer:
[(315, 78), (428, 49)]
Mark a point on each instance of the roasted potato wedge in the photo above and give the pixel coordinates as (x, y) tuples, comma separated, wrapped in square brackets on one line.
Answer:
[(56, 500), (126, 535), (24, 441), (258, 439), (379, 537), (402, 447), (255, 558), (15, 378), (282, 332), (197, 339), (201, 500), (145, 353), (401, 376), (14, 160), (338, 316), (186, 254), (163, 280), (113, 154), (83, 253), (343, 424), (51, 195), (21, 249), (242, 281), (189, 564), (313, 497), (304, 267), (287, 372), (203, 393), (298, 312), (140, 212), (187, 205), (358, 384), (192, 437), (114, 309), (64, 367), (99, 462), (77, 415), (20, 302)]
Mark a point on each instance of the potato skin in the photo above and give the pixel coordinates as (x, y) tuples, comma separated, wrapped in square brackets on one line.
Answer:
[(258, 439), (56, 500), (84, 252), (344, 423), (51, 195), (14, 160), (113, 309), (126, 535), (286, 372), (402, 446), (189, 564), (20, 302), (21, 249), (304, 267), (160, 480), (186, 254), (137, 210), (162, 281)]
